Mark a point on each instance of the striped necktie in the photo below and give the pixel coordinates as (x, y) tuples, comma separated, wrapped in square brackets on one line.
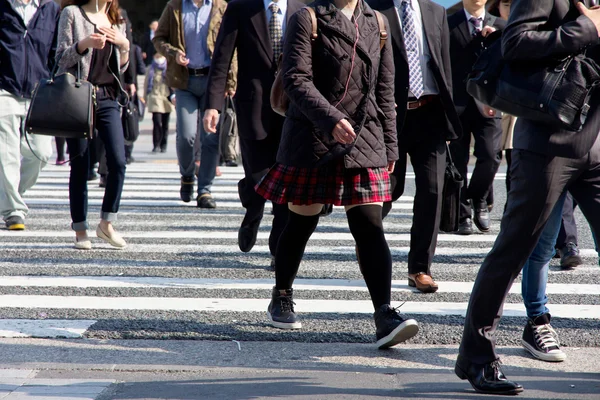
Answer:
[(415, 74)]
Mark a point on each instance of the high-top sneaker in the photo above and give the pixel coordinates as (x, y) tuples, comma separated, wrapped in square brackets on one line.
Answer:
[(281, 310), (392, 328), (541, 340)]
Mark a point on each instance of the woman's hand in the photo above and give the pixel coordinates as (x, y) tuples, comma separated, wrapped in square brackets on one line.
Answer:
[(391, 165), (343, 132), (94, 41), (115, 37)]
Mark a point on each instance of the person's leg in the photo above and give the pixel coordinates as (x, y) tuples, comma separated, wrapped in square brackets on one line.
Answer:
[(301, 224), (157, 131), (33, 159), (488, 135), (366, 225), (111, 131), (537, 183), (187, 126), (209, 151), (429, 163), (78, 189), (11, 202), (508, 156), (60, 150), (460, 151), (568, 228), (538, 336), (165, 131), (397, 180)]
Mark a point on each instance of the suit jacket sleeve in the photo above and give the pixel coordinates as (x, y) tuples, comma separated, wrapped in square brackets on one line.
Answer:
[(162, 35), (447, 63), (221, 62), (384, 92), (298, 75), (523, 39)]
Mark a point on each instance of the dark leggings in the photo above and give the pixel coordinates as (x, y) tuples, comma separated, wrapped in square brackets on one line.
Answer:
[(366, 226)]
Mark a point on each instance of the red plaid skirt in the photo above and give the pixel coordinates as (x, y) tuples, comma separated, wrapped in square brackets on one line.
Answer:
[(332, 184)]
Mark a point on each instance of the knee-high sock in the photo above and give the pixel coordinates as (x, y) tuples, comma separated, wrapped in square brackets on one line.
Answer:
[(374, 254), (290, 248)]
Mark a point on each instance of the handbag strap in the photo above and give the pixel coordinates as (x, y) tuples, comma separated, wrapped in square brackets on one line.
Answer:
[(449, 154)]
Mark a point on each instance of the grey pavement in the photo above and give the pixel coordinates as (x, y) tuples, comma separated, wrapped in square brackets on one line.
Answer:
[(153, 353)]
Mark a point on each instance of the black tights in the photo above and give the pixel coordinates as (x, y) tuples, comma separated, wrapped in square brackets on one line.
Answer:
[(366, 226)]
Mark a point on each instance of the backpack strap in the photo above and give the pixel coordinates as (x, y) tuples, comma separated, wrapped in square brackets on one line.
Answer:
[(313, 20), (383, 35)]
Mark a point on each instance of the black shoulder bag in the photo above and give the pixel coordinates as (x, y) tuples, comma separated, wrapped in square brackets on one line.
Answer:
[(62, 106), (550, 91)]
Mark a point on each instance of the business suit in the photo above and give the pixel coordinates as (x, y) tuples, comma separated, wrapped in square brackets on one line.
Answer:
[(422, 132), (464, 50), (546, 162), (245, 28)]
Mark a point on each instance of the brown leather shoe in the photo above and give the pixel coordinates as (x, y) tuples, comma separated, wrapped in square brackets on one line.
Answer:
[(423, 282)]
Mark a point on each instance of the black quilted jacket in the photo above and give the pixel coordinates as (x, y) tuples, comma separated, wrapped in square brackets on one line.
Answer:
[(315, 76)]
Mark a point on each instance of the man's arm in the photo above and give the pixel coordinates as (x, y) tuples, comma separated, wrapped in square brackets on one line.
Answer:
[(522, 39), (447, 64), (162, 38)]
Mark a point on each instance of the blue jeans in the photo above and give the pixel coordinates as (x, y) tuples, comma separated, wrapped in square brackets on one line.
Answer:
[(535, 270), (110, 131), (189, 123)]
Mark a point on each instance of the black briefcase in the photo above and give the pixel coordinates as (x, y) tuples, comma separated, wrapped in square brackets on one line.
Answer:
[(550, 91), (62, 106), (453, 183)]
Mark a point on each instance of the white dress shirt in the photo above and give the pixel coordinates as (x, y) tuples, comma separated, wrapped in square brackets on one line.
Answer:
[(26, 11), (429, 84), (471, 26), (282, 4)]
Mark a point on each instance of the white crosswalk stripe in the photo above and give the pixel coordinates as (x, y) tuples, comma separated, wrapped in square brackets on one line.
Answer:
[(183, 273)]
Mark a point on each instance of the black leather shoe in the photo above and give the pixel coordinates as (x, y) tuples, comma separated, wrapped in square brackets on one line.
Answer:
[(247, 236), (206, 201), (187, 189), (482, 218), (569, 256), (486, 378), (465, 227)]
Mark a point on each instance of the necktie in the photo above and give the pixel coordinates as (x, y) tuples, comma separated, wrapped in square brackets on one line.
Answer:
[(476, 22), (275, 31), (415, 74)]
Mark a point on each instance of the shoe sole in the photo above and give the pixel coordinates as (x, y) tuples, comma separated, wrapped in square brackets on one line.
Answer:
[(81, 246), (427, 289), (402, 333), (463, 376), (16, 227), (108, 240), (283, 325), (543, 356)]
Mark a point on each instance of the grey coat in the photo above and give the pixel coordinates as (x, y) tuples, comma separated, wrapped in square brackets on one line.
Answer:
[(73, 26)]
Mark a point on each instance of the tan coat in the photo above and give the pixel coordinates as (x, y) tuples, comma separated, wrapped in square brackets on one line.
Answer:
[(169, 38), (158, 100)]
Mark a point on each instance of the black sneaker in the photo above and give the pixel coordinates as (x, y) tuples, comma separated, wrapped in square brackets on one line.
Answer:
[(15, 223), (187, 189), (392, 328), (231, 163), (569, 256), (281, 310), (541, 340)]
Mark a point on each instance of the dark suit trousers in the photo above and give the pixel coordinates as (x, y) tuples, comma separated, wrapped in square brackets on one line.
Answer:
[(488, 136), (536, 184), (568, 227), (257, 157), (422, 138)]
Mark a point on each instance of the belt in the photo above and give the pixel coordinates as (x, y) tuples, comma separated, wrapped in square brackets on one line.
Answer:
[(198, 71), (413, 105)]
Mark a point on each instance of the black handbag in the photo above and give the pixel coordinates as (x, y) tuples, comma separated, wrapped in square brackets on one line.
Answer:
[(551, 91), (453, 183), (62, 106), (131, 121)]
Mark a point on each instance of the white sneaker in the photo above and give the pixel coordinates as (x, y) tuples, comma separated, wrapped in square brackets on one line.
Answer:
[(114, 240)]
